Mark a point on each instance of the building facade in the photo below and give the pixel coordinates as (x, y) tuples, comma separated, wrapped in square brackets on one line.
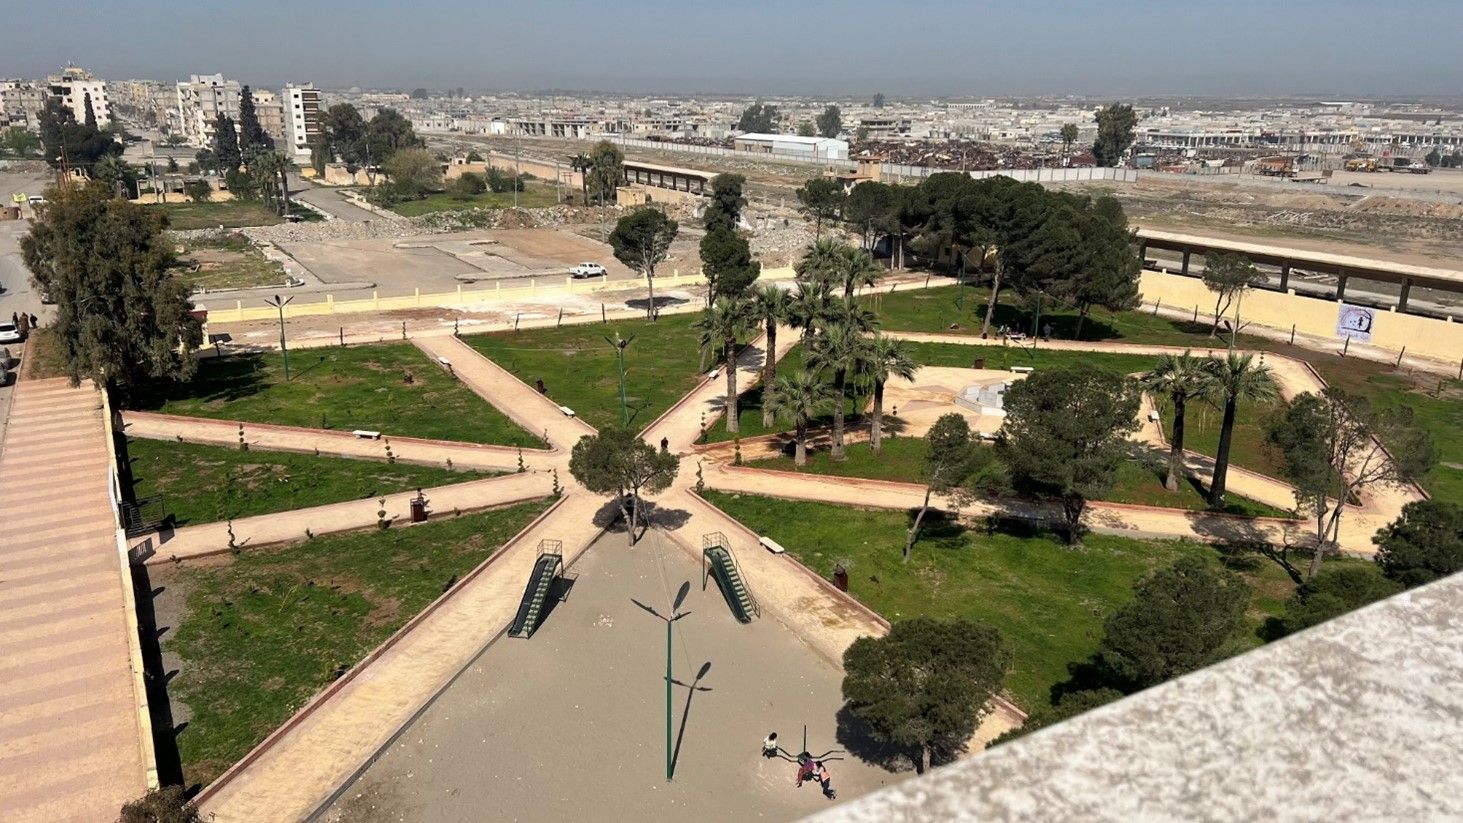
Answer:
[(301, 111), (73, 87), (21, 102), (270, 111), (201, 99), (818, 148)]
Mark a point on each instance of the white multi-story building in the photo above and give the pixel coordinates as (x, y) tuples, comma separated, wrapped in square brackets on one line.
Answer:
[(302, 114), (73, 87), (201, 99)]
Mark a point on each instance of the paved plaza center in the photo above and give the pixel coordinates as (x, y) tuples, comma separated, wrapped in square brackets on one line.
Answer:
[(570, 724)]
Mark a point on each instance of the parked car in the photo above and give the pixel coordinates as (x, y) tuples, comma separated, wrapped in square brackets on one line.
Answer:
[(584, 270), (9, 333)]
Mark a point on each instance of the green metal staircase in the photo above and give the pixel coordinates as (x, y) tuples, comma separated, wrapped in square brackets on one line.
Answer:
[(540, 585), (718, 561)]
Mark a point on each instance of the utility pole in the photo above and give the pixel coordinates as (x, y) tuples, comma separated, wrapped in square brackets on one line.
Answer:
[(279, 303), (620, 345), (517, 167)]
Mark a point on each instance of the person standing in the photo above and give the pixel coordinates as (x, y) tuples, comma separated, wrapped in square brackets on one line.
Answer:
[(769, 745)]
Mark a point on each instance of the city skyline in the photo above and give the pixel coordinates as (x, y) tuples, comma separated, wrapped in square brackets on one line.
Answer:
[(1128, 48)]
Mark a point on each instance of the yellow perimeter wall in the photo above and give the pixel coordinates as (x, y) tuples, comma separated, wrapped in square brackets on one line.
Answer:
[(1425, 336)]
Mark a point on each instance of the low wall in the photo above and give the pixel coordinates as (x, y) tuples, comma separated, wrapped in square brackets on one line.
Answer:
[(1393, 330)]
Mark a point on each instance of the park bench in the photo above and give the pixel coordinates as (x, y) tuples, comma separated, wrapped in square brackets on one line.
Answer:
[(771, 545), (1022, 369), (365, 434), (568, 412)]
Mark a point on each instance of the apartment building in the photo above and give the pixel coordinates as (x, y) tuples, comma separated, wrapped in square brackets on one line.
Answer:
[(302, 113), (21, 102), (270, 110), (74, 86), (201, 99)]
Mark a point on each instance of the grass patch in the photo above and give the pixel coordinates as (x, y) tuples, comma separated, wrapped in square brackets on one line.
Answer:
[(902, 460), (40, 355), (268, 629), (231, 214), (1049, 601), (580, 371), (532, 197), (358, 387), (226, 261), (204, 483), (750, 416)]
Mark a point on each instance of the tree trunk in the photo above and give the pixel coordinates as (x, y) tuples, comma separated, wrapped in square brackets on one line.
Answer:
[(634, 513), (840, 381), (1176, 445), (990, 309), (876, 421), (730, 356), (1081, 318), (650, 284), (1221, 458), (1218, 312), (817, 227), (914, 527), (1072, 507), (924, 759), (625, 513), (284, 192), (800, 445), (769, 374)]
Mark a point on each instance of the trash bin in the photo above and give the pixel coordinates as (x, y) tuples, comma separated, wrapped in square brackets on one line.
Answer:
[(979, 363), (419, 508), (840, 577)]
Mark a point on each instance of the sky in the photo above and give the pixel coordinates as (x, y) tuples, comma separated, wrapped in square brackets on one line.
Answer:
[(913, 48)]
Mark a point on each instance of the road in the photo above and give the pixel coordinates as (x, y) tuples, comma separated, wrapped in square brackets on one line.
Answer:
[(15, 291), (330, 201)]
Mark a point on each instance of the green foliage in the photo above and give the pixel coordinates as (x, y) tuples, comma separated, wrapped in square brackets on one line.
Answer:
[(724, 210), (606, 170), (799, 397), (726, 260), (419, 94), (468, 186), (252, 136), (120, 314), (1068, 706), (119, 176), (387, 134), (198, 191), (720, 325), (1229, 276), (821, 198), (807, 129), (871, 208), (342, 136), (77, 145), (169, 804), (641, 240), (878, 102), (926, 684), (1066, 434), (412, 173), (226, 150), (1333, 592), (617, 461), (830, 122), (18, 141), (758, 118), (1179, 378), (1115, 126), (1234, 378), (1181, 618), (474, 157), (1423, 544), (1069, 135)]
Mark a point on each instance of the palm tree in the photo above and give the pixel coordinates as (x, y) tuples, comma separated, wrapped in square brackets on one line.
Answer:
[(273, 168), (582, 164), (841, 348), (855, 268), (1232, 379), (1180, 378), (808, 309), (886, 358), (721, 324), (771, 305), (799, 398)]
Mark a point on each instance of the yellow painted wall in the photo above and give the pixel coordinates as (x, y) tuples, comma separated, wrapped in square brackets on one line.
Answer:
[(1392, 330)]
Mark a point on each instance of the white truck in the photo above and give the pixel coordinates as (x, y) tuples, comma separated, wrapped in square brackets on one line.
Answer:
[(587, 270)]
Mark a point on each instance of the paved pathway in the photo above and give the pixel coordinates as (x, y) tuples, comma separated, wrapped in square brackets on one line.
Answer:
[(281, 527), (329, 443), (74, 744), (330, 201)]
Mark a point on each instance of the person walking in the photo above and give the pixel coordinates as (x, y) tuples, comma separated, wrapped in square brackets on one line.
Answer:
[(805, 769), (825, 781), (35, 322), (769, 745)]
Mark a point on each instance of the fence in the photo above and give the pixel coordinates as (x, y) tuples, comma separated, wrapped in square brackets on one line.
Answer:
[(560, 287)]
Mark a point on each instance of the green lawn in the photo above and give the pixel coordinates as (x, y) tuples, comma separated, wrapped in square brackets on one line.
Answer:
[(1004, 357), (1049, 601), (231, 214), (201, 483), (580, 371), (270, 628), (1139, 481), (532, 197), (940, 309), (227, 261), (1437, 405), (391, 388), (750, 417)]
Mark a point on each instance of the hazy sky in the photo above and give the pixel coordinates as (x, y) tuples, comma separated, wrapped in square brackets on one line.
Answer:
[(918, 47)]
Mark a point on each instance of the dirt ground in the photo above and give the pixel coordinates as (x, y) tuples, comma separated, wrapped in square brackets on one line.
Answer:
[(570, 724)]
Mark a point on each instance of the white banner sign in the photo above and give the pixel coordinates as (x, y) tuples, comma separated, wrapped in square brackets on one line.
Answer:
[(1355, 322)]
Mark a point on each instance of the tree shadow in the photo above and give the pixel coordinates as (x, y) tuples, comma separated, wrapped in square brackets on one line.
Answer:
[(857, 738), (661, 301), (1090, 675), (156, 679), (218, 380)]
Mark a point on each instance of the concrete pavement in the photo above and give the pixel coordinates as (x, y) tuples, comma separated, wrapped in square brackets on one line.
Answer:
[(75, 742), (330, 201)]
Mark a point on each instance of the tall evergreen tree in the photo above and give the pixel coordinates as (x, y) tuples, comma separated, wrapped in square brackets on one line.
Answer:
[(226, 149), (727, 202), (252, 137), (91, 116)]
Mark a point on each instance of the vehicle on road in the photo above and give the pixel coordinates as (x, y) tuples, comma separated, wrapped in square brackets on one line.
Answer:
[(9, 333), (584, 270)]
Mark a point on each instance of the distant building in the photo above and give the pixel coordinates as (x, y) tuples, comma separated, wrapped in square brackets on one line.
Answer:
[(21, 102), (73, 86), (816, 148), (270, 111), (302, 118), (201, 99)]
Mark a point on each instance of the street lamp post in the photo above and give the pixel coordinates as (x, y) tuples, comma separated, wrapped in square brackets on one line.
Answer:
[(675, 614), (1036, 325), (279, 303), (620, 345)]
